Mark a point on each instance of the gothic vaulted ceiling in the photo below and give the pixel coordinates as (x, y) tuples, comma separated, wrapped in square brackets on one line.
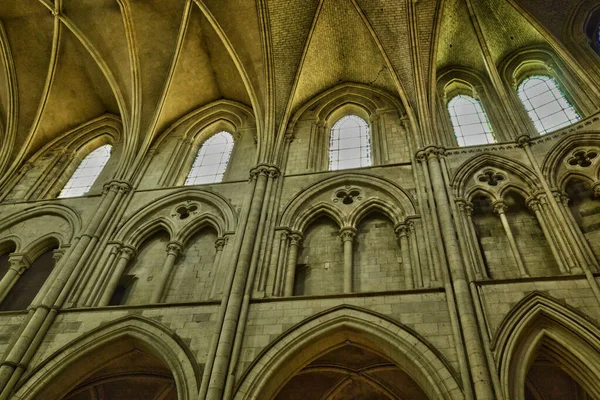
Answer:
[(150, 62)]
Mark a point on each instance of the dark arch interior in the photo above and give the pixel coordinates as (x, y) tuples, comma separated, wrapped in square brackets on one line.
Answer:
[(125, 369), (548, 380), (351, 372), (30, 282), (586, 211), (5, 251)]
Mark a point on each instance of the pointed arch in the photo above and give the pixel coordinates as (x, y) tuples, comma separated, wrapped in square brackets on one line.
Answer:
[(344, 324), (400, 201), (553, 161), (539, 319), (370, 206), (72, 219), (150, 228), (164, 344), (307, 217), (463, 176), (224, 212)]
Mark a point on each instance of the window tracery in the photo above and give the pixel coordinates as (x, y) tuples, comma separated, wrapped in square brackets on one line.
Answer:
[(546, 104), (87, 172), (349, 144), (212, 159), (470, 122)]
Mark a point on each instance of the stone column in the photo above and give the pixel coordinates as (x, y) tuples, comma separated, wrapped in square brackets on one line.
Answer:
[(281, 263), (473, 345), (402, 231), (347, 235), (104, 275), (415, 260), (292, 260), (19, 263), (534, 206), (125, 255), (40, 318), (466, 214), (219, 245), (500, 209), (233, 304), (582, 241), (547, 212), (173, 251)]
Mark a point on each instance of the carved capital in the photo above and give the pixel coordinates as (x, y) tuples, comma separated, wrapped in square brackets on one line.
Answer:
[(174, 249), (296, 239), (464, 205), (220, 243), (347, 234), (499, 207), (19, 262), (57, 255), (116, 186), (262, 169), (533, 204), (596, 189), (432, 152), (523, 140), (127, 252), (402, 230)]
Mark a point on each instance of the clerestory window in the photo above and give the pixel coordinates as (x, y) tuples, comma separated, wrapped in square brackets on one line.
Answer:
[(212, 159), (470, 122), (546, 104), (349, 144), (87, 172)]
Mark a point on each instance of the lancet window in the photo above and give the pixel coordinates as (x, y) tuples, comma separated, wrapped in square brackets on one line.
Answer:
[(87, 172), (349, 144), (470, 122), (546, 104), (212, 159)]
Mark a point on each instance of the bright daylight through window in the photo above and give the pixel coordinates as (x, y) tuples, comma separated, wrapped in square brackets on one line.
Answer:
[(87, 172), (211, 162), (471, 125), (349, 144), (546, 104)]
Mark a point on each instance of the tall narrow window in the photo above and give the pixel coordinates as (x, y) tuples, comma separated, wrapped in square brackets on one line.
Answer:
[(349, 144), (546, 104), (211, 162), (86, 174), (470, 122)]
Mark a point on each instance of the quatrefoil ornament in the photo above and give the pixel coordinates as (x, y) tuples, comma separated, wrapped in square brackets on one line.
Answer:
[(583, 158), (491, 177)]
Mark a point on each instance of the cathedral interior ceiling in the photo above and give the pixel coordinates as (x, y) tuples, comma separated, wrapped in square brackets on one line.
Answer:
[(151, 62)]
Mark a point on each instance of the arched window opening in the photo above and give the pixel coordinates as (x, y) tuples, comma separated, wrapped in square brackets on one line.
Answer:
[(29, 283), (470, 122), (5, 251), (349, 144), (87, 172), (546, 104), (212, 159)]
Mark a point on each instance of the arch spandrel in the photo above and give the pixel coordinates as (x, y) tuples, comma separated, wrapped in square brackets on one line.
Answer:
[(343, 325), (149, 335), (180, 214), (493, 175), (556, 167), (347, 197), (540, 320), (32, 224)]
